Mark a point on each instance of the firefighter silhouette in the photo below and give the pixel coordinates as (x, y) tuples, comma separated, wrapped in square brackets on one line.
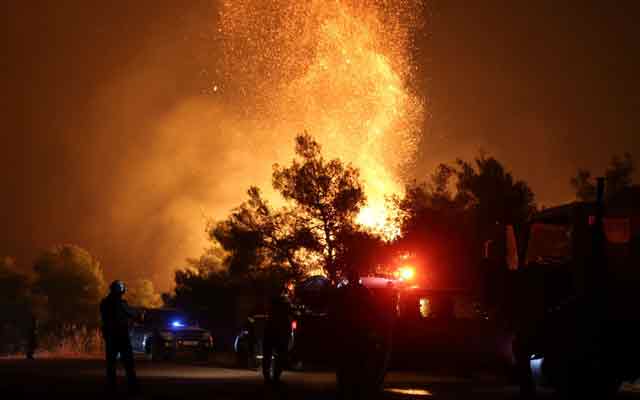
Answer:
[(359, 370), (116, 314), (276, 338)]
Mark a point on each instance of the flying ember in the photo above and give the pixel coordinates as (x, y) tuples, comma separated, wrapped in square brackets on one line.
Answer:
[(339, 70)]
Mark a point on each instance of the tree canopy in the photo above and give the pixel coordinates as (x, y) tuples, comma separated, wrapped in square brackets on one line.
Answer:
[(141, 293), (73, 282), (618, 175), (446, 218), (323, 197), (326, 195), (15, 291), (493, 192), (255, 236)]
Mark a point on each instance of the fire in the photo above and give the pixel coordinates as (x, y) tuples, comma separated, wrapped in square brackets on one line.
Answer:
[(339, 70), (379, 217)]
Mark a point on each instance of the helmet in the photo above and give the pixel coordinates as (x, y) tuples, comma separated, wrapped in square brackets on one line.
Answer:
[(117, 287)]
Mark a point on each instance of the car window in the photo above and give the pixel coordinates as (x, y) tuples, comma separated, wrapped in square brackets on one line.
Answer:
[(426, 306), (465, 308), (439, 306), (549, 243)]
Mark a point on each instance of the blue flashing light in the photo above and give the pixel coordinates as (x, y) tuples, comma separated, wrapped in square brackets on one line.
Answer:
[(177, 324)]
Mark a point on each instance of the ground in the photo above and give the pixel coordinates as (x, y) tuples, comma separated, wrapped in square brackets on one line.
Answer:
[(183, 380)]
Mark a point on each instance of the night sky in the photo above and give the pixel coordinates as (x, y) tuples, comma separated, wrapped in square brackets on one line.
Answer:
[(545, 86)]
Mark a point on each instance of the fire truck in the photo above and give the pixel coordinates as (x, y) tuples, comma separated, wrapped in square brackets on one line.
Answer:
[(444, 331), (310, 342), (569, 290)]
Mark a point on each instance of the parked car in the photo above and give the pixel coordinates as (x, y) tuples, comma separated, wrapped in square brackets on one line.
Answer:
[(166, 332)]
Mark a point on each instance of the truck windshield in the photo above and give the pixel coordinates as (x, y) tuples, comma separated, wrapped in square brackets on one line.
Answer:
[(549, 243)]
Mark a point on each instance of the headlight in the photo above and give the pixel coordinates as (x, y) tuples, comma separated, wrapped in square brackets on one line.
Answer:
[(166, 335)]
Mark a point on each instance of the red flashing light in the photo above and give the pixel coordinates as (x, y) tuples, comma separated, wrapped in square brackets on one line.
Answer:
[(294, 325), (406, 273)]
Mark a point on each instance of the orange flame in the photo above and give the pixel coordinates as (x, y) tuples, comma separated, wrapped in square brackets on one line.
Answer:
[(339, 70)]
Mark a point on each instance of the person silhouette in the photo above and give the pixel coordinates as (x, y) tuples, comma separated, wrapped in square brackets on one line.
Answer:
[(276, 338), (116, 314), (351, 313)]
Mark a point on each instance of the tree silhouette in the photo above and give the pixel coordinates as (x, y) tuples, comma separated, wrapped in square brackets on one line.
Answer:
[(73, 282), (256, 236), (323, 199), (493, 192), (583, 185), (14, 290), (446, 219), (141, 293), (326, 196), (618, 176), (17, 305)]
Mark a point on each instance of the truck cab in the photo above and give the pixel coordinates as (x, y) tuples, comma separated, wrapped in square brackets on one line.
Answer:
[(571, 297)]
